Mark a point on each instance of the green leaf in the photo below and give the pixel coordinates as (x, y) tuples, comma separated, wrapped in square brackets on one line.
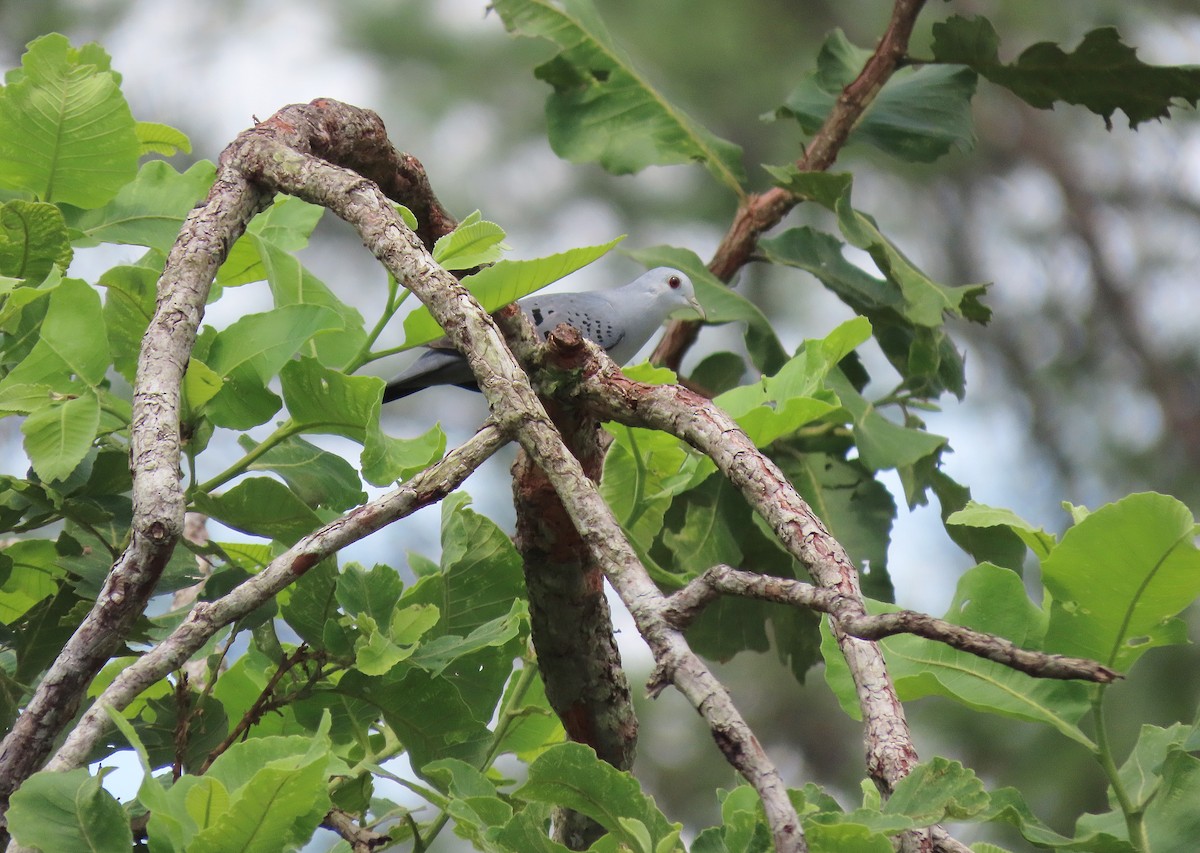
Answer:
[(505, 282), (68, 811), (427, 712), (317, 477), (643, 472), (375, 593), (1141, 774), (882, 443), (292, 284), (286, 225), (59, 436), (919, 116), (71, 345), (979, 515), (571, 775), (780, 404), (1008, 805), (33, 240), (437, 654), (1103, 74), (321, 399), (261, 506), (722, 304), (923, 301), (480, 574), (602, 110), (149, 210), (161, 139), (386, 459), (999, 545), (259, 345), (924, 355), (1171, 823), (988, 599), (1120, 577), (937, 790), (475, 242), (252, 350), (130, 294), (66, 133)]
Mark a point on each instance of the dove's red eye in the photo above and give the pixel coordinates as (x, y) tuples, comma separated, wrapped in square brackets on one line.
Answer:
[(674, 282)]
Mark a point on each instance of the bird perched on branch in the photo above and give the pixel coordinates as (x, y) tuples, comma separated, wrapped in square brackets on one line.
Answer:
[(620, 321)]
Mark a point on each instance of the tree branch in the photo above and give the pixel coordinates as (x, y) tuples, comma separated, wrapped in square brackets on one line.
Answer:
[(760, 212), (206, 618), (687, 603)]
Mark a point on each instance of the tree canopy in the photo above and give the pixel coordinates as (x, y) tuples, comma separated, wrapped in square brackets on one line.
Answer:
[(172, 582)]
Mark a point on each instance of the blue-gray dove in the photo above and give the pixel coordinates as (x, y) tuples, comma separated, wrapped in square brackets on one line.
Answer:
[(620, 321)]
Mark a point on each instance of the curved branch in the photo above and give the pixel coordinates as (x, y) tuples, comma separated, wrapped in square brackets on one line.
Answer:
[(762, 211)]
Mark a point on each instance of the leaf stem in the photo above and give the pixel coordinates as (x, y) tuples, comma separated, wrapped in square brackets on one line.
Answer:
[(285, 430), (1135, 824)]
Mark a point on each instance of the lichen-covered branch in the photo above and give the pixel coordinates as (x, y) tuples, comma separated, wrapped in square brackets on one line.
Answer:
[(687, 603)]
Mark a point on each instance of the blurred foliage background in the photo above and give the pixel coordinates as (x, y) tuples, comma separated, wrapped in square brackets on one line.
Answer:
[(1084, 387)]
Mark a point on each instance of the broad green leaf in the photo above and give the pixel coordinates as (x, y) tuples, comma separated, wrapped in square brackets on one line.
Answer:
[(58, 436), (999, 545), (534, 727), (375, 592), (312, 610), (72, 344), (261, 344), (796, 395), (321, 399), (149, 210), (1119, 579), (162, 139), (129, 298), (380, 649), (937, 790), (33, 240), (643, 472), (473, 243), (846, 838), (292, 284), (66, 133), (317, 477), (1008, 805), (32, 576), (1141, 774), (923, 301), (287, 225), (279, 807), (68, 811), (882, 443), (919, 116), (527, 832), (989, 599), (1171, 821), (427, 712), (602, 109), (387, 459), (722, 304), (1037, 539), (924, 355), (505, 282), (1103, 74), (252, 350), (480, 574), (438, 653), (261, 506), (571, 775)]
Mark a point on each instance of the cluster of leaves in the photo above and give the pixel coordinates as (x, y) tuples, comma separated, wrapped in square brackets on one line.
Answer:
[(354, 666)]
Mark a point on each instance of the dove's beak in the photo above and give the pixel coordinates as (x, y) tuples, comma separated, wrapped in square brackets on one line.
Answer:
[(697, 307)]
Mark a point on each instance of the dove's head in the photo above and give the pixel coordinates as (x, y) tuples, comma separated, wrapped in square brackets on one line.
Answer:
[(672, 291)]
